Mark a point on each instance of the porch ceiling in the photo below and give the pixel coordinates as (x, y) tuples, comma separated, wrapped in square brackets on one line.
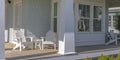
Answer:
[(114, 3)]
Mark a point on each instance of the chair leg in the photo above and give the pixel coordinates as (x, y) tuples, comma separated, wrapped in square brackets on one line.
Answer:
[(20, 46), (40, 46), (35, 45), (116, 42), (23, 46), (17, 45), (54, 46)]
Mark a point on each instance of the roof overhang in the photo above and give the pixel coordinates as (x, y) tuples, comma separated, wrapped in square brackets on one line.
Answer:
[(114, 3)]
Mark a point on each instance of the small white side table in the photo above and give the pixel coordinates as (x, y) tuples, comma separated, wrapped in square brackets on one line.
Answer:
[(38, 42)]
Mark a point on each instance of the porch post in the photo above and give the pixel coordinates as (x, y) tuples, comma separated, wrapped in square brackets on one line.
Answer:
[(106, 15), (2, 28), (66, 28)]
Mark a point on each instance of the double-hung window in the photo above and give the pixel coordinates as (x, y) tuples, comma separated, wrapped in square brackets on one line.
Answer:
[(90, 18), (84, 18)]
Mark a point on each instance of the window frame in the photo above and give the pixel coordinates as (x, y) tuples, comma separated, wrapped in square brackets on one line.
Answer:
[(94, 18), (54, 15), (91, 4), (84, 18)]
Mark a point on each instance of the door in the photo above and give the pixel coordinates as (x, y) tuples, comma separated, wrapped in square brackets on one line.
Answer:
[(55, 18)]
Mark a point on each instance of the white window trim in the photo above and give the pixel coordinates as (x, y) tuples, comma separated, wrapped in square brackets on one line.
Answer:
[(97, 18), (92, 4), (52, 14)]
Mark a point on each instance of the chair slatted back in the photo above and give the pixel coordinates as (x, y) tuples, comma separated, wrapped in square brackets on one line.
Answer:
[(51, 36)]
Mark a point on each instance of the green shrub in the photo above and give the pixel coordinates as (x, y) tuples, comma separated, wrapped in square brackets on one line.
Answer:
[(118, 57), (103, 57), (87, 58), (110, 58)]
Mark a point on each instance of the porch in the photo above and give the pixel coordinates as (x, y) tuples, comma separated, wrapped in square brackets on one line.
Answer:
[(65, 30), (28, 53), (48, 52), (35, 18)]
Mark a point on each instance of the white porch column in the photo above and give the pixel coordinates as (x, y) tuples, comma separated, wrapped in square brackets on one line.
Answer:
[(66, 28), (2, 28)]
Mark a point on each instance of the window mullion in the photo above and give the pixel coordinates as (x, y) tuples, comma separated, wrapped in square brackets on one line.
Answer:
[(91, 18)]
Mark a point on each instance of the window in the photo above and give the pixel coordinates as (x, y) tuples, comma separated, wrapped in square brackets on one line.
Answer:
[(84, 14), (55, 17), (90, 18), (114, 20), (55, 9), (97, 19)]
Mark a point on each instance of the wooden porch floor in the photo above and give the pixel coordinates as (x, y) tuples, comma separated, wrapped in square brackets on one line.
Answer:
[(29, 54)]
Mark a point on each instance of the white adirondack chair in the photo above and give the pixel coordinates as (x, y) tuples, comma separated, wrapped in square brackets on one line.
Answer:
[(50, 39), (19, 37), (112, 38)]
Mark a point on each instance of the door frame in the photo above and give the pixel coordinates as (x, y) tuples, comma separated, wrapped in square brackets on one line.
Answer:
[(58, 18), (52, 14)]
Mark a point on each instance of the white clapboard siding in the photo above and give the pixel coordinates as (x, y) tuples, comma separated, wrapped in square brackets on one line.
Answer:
[(89, 39)]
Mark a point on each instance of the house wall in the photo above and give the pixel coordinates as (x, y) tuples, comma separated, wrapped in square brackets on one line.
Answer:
[(8, 19), (2, 27), (36, 21), (90, 38), (36, 16)]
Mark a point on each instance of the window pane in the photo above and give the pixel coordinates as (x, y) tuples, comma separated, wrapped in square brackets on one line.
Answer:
[(97, 18), (97, 25), (97, 11), (55, 9), (83, 25), (84, 15), (84, 10), (55, 25), (114, 21)]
